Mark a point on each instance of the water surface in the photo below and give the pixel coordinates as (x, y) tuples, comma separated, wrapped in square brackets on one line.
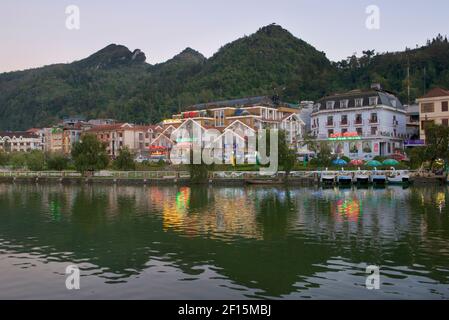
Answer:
[(223, 242)]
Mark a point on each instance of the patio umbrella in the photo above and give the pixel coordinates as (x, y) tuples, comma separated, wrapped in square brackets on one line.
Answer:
[(339, 162), (373, 163), (391, 162), (357, 162)]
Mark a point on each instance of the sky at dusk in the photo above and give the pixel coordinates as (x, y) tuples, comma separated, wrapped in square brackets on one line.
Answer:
[(34, 33)]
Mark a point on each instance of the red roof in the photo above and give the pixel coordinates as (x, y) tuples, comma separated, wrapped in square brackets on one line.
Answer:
[(436, 92)]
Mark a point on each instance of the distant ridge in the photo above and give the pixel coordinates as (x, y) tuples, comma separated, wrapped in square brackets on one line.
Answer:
[(116, 82)]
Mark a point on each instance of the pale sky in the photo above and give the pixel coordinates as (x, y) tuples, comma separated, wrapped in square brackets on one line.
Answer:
[(33, 33)]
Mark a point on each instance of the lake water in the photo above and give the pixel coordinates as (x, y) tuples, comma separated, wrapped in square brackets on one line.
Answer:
[(223, 242)]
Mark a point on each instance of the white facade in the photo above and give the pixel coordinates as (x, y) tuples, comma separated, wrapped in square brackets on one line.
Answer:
[(361, 126), (19, 142)]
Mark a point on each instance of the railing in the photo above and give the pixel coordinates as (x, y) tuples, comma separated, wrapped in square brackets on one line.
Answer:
[(161, 175), (37, 174), (235, 175), (100, 174)]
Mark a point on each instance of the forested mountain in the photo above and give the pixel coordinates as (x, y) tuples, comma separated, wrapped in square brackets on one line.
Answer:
[(116, 82)]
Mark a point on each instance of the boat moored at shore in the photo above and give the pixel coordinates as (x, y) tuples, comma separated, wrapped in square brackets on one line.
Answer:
[(344, 177), (398, 176), (328, 177), (362, 177), (378, 177)]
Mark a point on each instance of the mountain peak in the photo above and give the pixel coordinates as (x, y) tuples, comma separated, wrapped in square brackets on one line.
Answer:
[(273, 30), (189, 55), (112, 56)]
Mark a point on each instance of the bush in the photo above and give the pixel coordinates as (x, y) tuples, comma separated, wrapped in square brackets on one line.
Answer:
[(4, 158), (35, 160), (125, 161), (18, 160), (57, 162)]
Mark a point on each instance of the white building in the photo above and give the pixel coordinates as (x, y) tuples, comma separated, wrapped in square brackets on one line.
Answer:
[(361, 124), (19, 141)]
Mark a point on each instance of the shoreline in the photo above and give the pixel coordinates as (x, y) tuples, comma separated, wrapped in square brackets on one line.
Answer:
[(300, 182)]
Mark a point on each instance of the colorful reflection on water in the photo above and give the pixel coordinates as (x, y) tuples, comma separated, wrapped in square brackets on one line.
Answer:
[(348, 210), (223, 242)]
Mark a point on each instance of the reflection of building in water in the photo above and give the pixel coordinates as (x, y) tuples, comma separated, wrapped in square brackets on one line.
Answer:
[(228, 214), (347, 209), (380, 214)]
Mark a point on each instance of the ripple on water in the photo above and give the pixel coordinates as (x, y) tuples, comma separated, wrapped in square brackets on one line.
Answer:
[(215, 242)]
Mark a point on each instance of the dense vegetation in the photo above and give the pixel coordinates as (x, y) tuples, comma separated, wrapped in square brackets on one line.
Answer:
[(117, 83)]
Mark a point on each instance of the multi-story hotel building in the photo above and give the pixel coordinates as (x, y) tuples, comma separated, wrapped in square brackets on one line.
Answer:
[(119, 135), (19, 141), (361, 124), (433, 109), (255, 112)]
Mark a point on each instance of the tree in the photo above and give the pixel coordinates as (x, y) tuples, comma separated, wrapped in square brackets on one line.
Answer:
[(287, 156), (18, 160), (35, 160), (57, 162), (4, 158), (199, 173), (125, 160), (89, 154), (324, 155), (417, 157), (311, 143), (437, 143)]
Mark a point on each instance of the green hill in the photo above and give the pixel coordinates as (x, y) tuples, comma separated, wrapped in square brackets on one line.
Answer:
[(116, 82)]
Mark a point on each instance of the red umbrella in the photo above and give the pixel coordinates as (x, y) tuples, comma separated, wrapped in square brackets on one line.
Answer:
[(357, 162), (398, 157)]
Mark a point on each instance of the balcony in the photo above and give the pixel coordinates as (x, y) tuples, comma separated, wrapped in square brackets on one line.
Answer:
[(358, 122), (329, 124)]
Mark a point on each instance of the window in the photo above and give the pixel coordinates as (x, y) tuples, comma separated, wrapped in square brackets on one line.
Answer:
[(330, 105), (373, 118), (359, 102), (373, 101), (445, 122), (343, 131), (219, 118), (330, 132), (359, 132), (444, 106), (427, 107), (344, 103), (373, 131), (358, 119), (344, 120), (330, 121)]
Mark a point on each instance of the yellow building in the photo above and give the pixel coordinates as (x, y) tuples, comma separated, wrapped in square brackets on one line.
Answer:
[(433, 109)]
